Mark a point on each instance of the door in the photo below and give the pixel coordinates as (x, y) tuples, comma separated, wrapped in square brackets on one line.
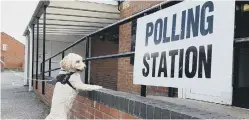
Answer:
[(241, 76), (222, 97), (238, 95), (241, 56)]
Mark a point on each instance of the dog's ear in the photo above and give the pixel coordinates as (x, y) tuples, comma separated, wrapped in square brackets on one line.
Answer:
[(63, 64), (66, 62)]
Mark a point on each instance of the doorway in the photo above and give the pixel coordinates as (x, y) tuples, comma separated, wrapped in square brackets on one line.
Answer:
[(241, 56)]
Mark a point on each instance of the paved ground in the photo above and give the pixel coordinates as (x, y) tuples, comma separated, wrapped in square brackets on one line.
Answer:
[(17, 102)]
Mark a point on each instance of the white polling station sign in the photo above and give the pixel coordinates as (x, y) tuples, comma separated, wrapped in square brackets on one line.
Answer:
[(187, 45)]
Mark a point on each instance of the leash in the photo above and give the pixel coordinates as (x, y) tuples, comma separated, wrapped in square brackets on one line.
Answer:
[(64, 77), (15, 73)]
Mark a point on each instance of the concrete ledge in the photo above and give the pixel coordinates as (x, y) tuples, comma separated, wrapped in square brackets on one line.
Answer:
[(147, 108)]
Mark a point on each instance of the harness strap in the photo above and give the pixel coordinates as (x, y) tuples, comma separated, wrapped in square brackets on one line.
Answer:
[(64, 79), (71, 85)]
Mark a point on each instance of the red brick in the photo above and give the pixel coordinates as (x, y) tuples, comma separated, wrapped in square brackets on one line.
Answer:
[(104, 108), (90, 110), (114, 112), (125, 69), (106, 116), (104, 72), (127, 116), (80, 117), (82, 112), (98, 114), (83, 106), (87, 115), (97, 106), (14, 56), (81, 99), (92, 116), (88, 102)]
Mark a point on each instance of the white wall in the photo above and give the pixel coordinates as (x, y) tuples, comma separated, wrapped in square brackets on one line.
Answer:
[(54, 47)]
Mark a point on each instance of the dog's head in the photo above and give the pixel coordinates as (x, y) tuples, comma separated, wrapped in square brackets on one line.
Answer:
[(73, 63)]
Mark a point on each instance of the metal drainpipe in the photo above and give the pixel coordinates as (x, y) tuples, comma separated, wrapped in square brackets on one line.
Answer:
[(43, 55), (37, 54), (86, 62)]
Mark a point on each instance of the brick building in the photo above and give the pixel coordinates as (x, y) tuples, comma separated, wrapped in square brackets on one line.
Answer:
[(12, 51), (126, 40), (117, 74), (121, 101)]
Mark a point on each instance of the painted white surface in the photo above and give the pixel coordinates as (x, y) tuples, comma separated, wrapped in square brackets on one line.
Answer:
[(218, 88), (55, 44), (26, 57), (82, 22), (30, 62)]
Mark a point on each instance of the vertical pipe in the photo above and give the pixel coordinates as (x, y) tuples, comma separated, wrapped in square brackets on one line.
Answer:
[(89, 62), (26, 58), (43, 55), (49, 68), (33, 52), (37, 53), (41, 68), (62, 54), (86, 62), (143, 90)]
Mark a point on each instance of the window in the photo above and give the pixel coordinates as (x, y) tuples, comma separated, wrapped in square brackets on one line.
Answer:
[(133, 38), (241, 20), (246, 7), (4, 47)]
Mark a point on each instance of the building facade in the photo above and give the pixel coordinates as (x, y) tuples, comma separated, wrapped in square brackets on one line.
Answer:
[(12, 52), (109, 55)]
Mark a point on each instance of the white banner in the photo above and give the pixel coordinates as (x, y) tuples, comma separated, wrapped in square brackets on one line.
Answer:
[(187, 45)]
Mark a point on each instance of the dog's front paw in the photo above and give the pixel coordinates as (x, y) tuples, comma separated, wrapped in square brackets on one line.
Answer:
[(95, 87)]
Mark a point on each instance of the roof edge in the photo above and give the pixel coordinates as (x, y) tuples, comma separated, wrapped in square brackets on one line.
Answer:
[(12, 38), (37, 13)]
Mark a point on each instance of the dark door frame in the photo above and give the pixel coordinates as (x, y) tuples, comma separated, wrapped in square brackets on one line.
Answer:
[(240, 32)]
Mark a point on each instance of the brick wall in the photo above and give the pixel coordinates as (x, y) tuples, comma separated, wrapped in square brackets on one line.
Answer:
[(83, 107), (14, 56), (1, 63), (125, 69), (109, 104), (104, 72)]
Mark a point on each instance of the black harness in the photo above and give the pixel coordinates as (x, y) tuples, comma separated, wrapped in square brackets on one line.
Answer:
[(64, 79)]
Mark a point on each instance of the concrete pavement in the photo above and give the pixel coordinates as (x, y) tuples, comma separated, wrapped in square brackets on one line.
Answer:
[(17, 102)]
